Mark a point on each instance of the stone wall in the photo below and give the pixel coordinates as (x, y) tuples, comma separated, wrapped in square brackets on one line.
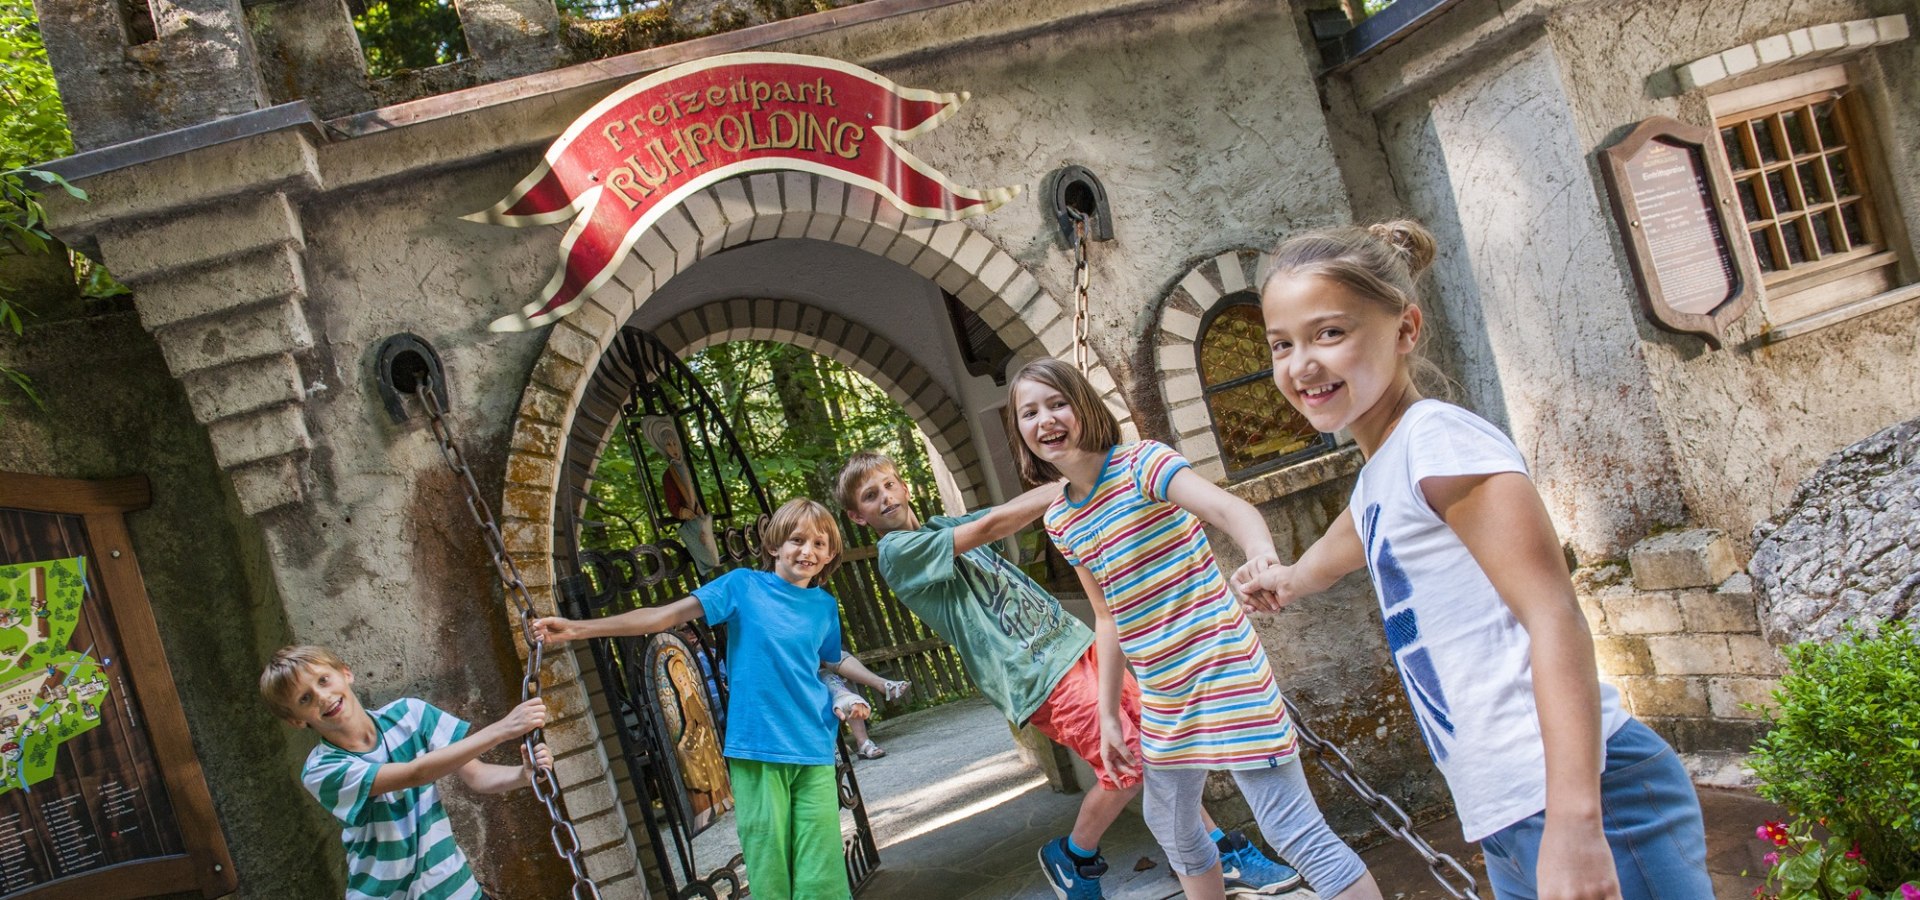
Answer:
[(1486, 123), (113, 410), (1847, 549), (1676, 630)]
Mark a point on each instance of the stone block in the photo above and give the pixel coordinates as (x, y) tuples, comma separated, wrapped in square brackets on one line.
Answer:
[(1730, 696), (1200, 289), (632, 888), (974, 252), (1622, 655), (1643, 614), (1233, 278), (1180, 323), (1862, 33), (1800, 40), (1702, 72), (1190, 418), (1682, 559), (1892, 28), (1752, 655), (1719, 611), (1709, 735), (1740, 59), (1828, 37), (1666, 695), (269, 330), (615, 859), (268, 484), (261, 435), (1690, 654), (243, 387), (1773, 49), (1182, 388), (143, 253), (1176, 358), (241, 281)]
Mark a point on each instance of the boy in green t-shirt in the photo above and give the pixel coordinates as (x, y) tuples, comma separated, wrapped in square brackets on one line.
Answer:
[(1030, 659)]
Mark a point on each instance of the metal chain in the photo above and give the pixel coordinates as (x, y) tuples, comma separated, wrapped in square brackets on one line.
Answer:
[(1391, 817), (1081, 281), (566, 841)]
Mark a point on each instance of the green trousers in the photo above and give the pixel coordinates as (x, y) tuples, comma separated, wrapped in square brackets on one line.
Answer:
[(788, 816)]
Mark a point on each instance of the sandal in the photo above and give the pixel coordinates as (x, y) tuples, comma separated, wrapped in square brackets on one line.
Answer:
[(870, 750)]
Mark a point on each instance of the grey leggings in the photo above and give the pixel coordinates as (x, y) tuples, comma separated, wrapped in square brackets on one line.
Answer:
[(1282, 805)]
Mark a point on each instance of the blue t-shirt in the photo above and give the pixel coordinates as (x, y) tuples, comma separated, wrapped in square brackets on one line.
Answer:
[(777, 709)]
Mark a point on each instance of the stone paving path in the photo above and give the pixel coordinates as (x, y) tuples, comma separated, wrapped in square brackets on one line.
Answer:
[(958, 816)]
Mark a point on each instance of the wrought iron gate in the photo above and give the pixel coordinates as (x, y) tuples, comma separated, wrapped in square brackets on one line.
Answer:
[(704, 511)]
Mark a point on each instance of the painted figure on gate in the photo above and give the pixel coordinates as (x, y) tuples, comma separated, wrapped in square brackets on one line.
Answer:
[(681, 493)]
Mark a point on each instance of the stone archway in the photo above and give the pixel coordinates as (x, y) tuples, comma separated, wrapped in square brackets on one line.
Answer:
[(960, 259)]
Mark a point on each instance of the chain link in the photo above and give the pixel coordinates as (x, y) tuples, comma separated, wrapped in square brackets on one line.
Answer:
[(1081, 281), (566, 841), (1446, 870)]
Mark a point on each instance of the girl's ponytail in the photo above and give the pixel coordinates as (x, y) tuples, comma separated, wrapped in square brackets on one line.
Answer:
[(1411, 239)]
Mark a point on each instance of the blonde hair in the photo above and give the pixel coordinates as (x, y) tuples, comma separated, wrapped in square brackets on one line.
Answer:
[(1099, 431), (794, 515), (1381, 262), (846, 485), (278, 680)]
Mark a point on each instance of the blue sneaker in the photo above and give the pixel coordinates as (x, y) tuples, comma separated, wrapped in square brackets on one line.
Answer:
[(1248, 871), (1070, 878)]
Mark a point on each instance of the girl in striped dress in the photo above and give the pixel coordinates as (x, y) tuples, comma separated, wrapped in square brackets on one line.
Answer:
[(1129, 521)]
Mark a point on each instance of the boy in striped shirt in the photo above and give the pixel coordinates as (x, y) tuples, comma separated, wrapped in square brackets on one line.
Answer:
[(375, 773)]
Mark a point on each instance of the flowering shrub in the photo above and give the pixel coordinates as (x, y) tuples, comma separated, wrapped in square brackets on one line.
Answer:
[(1844, 752), (1803, 867)]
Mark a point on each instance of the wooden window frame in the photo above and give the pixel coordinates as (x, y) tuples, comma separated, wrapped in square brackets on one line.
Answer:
[(205, 867), (1324, 444), (1814, 286)]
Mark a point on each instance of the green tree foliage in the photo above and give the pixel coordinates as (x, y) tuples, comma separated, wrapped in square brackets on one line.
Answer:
[(33, 129), (798, 416), (33, 124), (1844, 751), (397, 35)]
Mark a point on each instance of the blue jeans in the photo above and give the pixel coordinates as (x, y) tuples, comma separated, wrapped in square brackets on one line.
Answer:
[(1652, 821)]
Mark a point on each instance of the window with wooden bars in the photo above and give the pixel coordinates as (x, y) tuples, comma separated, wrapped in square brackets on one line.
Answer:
[(1799, 156), (1257, 429)]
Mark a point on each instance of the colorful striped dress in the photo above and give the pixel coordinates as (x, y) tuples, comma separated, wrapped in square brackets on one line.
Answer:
[(1208, 698)]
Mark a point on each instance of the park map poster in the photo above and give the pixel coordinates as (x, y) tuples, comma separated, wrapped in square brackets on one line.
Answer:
[(48, 692), (80, 790)]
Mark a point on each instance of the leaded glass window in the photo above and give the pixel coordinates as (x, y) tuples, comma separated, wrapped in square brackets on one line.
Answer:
[(1256, 427)]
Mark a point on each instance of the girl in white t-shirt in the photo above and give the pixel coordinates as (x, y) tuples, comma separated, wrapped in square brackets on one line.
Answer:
[(1569, 796)]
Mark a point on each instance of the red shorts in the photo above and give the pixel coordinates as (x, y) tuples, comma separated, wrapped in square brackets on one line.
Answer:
[(1071, 717)]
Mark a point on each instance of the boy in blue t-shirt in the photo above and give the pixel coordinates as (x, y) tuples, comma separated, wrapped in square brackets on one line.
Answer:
[(780, 720), (375, 773)]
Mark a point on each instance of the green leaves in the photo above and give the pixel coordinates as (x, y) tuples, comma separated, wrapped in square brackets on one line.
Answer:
[(1844, 750)]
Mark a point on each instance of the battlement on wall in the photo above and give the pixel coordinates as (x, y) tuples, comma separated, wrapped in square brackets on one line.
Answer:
[(130, 69)]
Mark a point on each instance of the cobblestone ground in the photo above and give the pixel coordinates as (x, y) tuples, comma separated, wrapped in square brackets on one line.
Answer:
[(958, 815)]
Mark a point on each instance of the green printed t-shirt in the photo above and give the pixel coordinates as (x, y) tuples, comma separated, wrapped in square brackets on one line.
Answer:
[(1013, 638)]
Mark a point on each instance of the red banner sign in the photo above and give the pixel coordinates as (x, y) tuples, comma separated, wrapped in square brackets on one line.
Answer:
[(643, 150)]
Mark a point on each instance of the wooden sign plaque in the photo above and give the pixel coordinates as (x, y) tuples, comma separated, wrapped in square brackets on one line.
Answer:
[(101, 795), (1675, 212)]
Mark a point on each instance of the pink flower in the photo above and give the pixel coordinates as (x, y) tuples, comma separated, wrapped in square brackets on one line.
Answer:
[(1771, 859), (1854, 854), (1772, 831), (1855, 895), (1909, 892)]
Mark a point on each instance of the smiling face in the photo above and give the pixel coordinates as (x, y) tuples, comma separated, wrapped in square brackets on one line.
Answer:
[(802, 555), (880, 503), (1339, 357), (1048, 424), (321, 697)]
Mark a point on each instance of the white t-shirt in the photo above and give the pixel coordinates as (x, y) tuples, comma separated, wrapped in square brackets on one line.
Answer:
[(1463, 658)]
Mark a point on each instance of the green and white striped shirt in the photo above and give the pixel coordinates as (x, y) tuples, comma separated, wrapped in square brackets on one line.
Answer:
[(399, 844)]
